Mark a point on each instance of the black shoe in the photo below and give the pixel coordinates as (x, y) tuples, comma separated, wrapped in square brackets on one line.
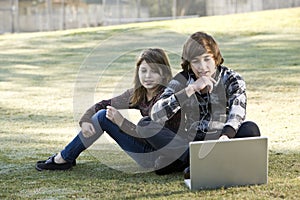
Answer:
[(43, 161), (186, 173), (51, 165), (164, 165)]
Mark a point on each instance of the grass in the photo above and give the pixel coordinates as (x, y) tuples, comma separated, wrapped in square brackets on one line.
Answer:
[(48, 79)]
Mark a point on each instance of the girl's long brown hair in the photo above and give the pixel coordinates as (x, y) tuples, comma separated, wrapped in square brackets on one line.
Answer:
[(158, 60)]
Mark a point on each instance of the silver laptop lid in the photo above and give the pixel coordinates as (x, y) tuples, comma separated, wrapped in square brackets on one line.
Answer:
[(224, 163)]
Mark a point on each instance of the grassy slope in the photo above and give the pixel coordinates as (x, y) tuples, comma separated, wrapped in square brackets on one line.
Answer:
[(38, 72)]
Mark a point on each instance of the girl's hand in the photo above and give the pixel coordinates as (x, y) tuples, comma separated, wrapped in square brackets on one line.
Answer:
[(87, 129), (114, 115)]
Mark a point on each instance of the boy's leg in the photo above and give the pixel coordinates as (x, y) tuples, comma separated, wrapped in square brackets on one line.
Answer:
[(172, 148), (248, 129)]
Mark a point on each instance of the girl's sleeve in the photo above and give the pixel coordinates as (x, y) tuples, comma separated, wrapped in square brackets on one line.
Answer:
[(237, 101), (129, 128), (120, 102)]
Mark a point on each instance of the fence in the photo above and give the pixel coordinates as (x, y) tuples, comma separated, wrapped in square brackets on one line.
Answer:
[(48, 15), (222, 7)]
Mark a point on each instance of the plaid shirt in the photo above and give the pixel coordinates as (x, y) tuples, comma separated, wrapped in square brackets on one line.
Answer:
[(208, 113)]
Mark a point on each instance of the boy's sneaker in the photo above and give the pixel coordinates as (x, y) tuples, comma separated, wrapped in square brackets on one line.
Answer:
[(186, 173), (51, 165)]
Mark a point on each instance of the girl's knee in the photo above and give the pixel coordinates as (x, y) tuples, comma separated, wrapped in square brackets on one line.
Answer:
[(98, 119), (100, 115)]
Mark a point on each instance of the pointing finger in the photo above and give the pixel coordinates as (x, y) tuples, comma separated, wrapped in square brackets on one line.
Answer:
[(212, 80)]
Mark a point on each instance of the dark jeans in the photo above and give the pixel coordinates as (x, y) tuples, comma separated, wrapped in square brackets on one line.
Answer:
[(137, 148), (155, 141), (176, 145), (248, 129)]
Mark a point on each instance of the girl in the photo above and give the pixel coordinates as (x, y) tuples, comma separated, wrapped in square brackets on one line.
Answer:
[(152, 73)]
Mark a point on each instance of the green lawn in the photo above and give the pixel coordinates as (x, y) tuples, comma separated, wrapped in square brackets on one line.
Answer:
[(48, 79)]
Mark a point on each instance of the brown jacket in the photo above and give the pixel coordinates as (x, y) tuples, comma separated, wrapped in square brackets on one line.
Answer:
[(122, 102)]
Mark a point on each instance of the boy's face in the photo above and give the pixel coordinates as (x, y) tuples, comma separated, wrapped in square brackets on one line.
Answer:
[(203, 65)]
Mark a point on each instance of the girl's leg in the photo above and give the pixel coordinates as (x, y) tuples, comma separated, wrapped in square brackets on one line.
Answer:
[(101, 123), (77, 145), (137, 148), (66, 158), (80, 143), (248, 129)]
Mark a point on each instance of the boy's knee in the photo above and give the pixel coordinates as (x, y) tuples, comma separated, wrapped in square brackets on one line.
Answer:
[(253, 127), (248, 129)]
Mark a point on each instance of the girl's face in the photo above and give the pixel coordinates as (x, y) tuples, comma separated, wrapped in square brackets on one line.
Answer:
[(149, 78), (203, 65)]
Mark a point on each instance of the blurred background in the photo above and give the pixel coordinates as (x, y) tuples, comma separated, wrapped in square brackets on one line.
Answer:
[(50, 15)]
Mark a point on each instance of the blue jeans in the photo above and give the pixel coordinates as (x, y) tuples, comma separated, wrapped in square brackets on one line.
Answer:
[(137, 148)]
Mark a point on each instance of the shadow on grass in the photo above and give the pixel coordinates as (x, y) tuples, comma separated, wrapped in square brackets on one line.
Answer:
[(31, 116), (91, 179)]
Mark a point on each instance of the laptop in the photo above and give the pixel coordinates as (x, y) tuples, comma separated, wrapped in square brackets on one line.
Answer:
[(226, 163)]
